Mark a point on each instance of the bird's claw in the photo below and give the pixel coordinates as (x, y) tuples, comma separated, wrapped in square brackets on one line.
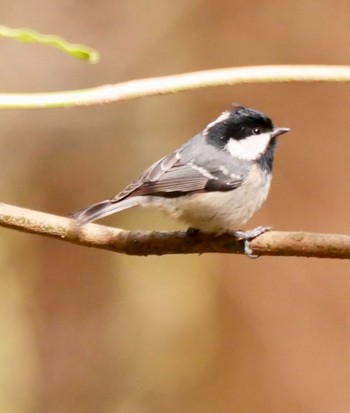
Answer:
[(247, 236)]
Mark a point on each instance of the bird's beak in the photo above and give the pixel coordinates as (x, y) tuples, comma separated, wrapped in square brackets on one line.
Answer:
[(279, 131)]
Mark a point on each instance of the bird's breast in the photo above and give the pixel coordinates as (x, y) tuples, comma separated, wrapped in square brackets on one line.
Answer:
[(220, 211)]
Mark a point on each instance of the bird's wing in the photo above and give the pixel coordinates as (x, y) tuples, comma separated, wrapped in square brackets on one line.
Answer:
[(170, 177)]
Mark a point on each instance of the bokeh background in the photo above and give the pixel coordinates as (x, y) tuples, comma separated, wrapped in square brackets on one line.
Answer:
[(85, 330)]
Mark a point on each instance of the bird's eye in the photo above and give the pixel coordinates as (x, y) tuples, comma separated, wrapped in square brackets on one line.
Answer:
[(256, 131)]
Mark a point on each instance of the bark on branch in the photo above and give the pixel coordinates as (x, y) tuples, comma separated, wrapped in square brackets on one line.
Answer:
[(297, 244)]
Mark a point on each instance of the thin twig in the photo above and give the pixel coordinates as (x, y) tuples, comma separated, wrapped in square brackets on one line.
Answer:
[(297, 244), (176, 83)]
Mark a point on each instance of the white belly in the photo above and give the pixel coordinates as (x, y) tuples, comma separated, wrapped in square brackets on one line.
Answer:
[(220, 211)]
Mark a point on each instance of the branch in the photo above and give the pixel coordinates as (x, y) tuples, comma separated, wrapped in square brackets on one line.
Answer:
[(176, 83), (297, 244)]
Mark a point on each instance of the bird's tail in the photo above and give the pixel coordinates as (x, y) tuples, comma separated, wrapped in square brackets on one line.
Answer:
[(102, 209)]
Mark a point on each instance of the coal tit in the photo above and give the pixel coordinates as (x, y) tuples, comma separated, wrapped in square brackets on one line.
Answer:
[(214, 182)]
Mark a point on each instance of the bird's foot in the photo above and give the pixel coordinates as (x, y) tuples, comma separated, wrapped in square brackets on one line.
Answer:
[(245, 236), (192, 232), (248, 236)]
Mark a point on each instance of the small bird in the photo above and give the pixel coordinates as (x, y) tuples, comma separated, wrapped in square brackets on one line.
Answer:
[(214, 182)]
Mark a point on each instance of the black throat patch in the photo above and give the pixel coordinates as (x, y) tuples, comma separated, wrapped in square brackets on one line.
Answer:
[(266, 159)]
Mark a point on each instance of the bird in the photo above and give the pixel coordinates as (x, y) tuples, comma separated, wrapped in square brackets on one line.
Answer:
[(214, 182)]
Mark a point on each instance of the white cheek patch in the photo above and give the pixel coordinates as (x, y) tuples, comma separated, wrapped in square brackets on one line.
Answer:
[(249, 148)]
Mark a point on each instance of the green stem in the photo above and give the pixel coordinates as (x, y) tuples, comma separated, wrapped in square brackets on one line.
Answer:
[(176, 83)]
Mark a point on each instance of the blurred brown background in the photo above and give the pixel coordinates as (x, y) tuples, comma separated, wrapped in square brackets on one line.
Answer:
[(91, 331)]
